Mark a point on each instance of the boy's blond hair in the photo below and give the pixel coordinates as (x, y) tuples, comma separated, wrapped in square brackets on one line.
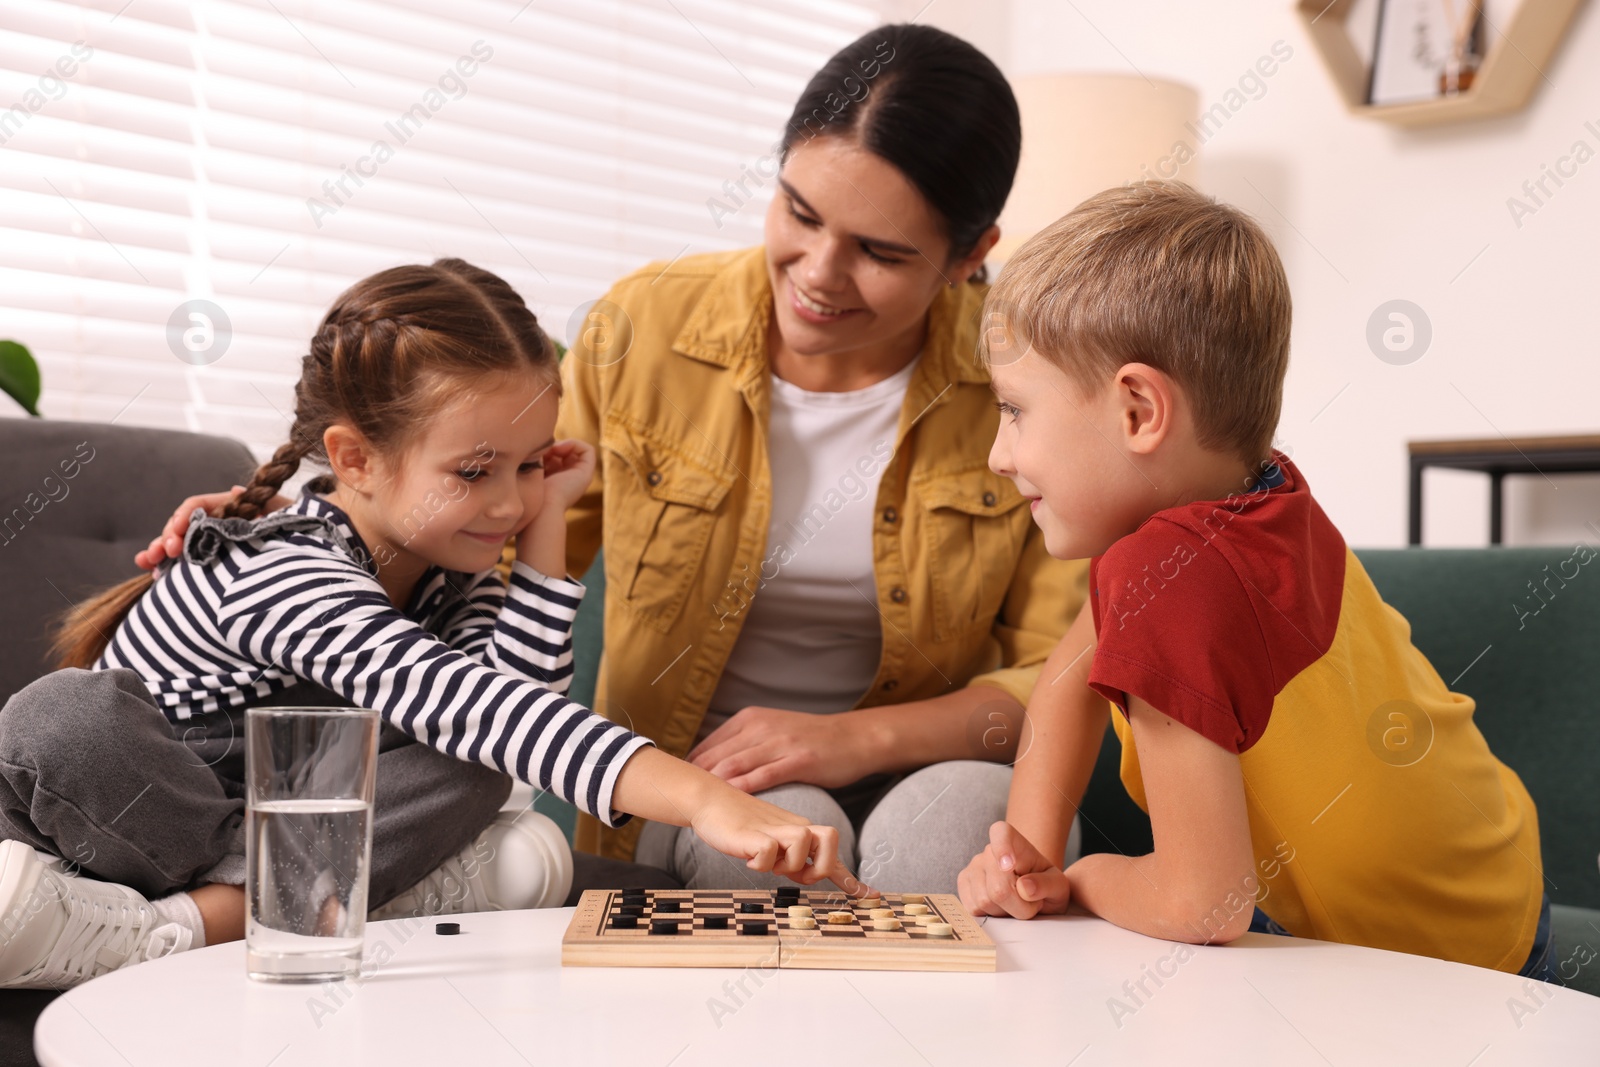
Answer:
[(1157, 273)]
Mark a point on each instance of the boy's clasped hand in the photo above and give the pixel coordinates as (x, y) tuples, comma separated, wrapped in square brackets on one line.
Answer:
[(1012, 878)]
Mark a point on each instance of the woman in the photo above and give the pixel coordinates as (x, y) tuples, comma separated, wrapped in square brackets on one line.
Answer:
[(816, 588)]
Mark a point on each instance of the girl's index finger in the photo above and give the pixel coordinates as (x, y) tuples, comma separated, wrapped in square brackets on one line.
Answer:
[(853, 887), (831, 868)]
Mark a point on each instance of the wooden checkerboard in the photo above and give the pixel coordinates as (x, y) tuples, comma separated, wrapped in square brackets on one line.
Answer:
[(742, 928)]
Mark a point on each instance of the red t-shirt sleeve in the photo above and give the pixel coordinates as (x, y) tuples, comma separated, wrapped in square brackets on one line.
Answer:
[(1176, 628)]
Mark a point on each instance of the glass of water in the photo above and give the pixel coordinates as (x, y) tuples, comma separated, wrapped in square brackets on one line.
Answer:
[(310, 774)]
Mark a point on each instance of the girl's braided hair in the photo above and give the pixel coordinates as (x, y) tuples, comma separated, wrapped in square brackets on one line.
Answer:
[(391, 352)]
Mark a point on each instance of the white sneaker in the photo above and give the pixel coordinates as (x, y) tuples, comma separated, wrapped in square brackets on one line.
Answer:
[(59, 930), (521, 860)]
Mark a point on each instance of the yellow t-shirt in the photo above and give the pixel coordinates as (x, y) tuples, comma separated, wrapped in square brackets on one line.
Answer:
[(1378, 815)]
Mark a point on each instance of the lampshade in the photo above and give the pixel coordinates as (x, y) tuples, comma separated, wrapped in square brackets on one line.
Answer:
[(1082, 133)]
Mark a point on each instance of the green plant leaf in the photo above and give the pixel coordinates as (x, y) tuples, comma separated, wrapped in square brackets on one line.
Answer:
[(19, 376)]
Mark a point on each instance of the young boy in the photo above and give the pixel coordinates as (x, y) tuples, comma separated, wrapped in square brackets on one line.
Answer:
[(1299, 758)]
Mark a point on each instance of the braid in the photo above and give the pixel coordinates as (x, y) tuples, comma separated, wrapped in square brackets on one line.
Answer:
[(312, 395), (346, 335), (376, 349), (269, 478)]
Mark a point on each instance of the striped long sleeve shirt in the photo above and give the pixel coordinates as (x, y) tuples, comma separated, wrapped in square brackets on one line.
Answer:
[(472, 668)]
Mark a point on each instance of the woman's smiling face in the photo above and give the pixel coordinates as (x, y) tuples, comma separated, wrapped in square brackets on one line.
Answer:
[(855, 253)]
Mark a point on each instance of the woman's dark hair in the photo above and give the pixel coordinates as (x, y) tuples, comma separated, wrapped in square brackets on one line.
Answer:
[(391, 352), (934, 107)]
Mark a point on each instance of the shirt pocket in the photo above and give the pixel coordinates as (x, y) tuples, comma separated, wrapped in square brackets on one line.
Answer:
[(973, 535), (661, 506)]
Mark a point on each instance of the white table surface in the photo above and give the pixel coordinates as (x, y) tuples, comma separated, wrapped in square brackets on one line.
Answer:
[(497, 995)]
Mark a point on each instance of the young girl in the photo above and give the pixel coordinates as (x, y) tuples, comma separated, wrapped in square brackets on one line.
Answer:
[(430, 393)]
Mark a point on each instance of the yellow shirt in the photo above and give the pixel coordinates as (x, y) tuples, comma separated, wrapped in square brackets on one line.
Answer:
[(1378, 815), (671, 384)]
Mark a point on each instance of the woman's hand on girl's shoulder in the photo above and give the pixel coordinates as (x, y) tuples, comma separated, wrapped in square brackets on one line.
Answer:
[(170, 543)]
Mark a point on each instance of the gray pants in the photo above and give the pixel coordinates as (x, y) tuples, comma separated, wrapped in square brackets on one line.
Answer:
[(91, 771), (910, 834)]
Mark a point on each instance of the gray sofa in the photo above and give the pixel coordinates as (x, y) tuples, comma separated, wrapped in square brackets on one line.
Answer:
[(77, 500)]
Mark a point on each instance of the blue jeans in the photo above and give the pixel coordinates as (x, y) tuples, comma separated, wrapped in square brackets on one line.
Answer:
[(1540, 963)]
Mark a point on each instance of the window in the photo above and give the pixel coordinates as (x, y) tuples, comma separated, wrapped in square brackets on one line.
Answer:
[(261, 155)]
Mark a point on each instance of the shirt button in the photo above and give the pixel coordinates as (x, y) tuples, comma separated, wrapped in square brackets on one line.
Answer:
[(890, 684), (898, 595), (890, 515), (654, 477), (988, 500)]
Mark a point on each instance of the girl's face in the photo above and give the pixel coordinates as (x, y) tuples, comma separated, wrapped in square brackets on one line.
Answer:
[(473, 479), (855, 253)]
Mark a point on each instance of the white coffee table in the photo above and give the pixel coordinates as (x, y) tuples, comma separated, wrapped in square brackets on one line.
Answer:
[(498, 995)]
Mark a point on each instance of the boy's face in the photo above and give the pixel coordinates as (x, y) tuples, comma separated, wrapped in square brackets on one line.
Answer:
[(475, 477), (1065, 450)]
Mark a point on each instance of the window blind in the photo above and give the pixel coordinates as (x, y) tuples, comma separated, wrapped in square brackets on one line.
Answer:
[(261, 155)]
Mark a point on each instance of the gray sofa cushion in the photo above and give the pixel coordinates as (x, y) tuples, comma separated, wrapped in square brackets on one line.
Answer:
[(77, 500)]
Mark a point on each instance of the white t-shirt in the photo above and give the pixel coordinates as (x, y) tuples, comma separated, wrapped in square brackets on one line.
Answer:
[(812, 635)]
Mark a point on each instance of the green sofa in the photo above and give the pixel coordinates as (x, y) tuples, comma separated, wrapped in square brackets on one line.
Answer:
[(1536, 678), (1537, 686)]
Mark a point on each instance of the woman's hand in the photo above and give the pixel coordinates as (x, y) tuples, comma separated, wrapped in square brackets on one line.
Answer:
[(760, 748), (568, 470), (170, 543)]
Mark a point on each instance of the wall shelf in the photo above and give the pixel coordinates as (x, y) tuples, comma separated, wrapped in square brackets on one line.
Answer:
[(1511, 72)]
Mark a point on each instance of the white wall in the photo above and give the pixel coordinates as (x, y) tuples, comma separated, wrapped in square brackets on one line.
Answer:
[(1364, 213)]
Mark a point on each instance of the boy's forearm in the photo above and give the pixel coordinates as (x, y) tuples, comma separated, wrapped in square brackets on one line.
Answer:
[(1133, 893), (1124, 890), (1061, 740), (1061, 746)]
